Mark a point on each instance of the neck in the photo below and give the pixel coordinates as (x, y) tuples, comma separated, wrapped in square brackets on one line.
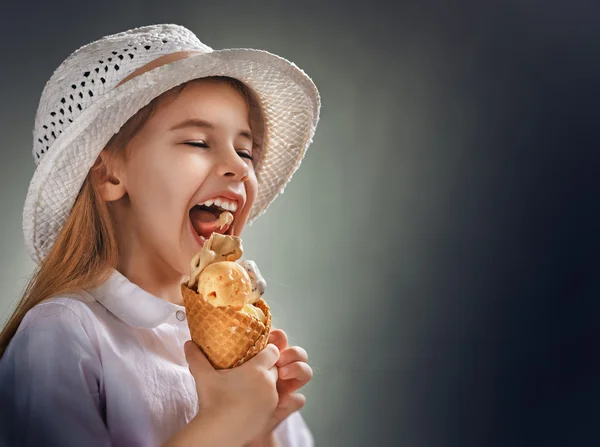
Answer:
[(146, 270)]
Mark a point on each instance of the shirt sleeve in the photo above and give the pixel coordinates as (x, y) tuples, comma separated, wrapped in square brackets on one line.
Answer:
[(50, 378), (293, 432)]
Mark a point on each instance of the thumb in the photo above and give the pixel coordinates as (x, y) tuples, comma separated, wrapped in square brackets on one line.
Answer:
[(196, 359)]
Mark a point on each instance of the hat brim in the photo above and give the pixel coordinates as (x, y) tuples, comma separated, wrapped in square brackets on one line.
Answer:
[(291, 106)]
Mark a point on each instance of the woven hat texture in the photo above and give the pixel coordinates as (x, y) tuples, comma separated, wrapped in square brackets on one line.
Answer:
[(82, 107)]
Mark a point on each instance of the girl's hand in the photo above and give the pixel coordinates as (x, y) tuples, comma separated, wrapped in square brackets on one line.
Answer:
[(247, 394), (294, 373)]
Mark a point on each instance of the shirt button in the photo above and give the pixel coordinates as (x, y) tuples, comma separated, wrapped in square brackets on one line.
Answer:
[(180, 315)]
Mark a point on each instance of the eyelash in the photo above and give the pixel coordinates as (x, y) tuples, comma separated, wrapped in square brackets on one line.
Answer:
[(204, 145)]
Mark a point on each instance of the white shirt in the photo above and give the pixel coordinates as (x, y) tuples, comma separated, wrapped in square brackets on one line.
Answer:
[(104, 367)]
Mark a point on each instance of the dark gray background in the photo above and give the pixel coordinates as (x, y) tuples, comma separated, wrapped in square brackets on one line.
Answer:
[(436, 253)]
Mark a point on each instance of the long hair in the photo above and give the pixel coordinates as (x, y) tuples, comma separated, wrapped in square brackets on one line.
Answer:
[(85, 250)]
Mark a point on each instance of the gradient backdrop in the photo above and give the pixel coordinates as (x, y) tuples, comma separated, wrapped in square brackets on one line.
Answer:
[(436, 253)]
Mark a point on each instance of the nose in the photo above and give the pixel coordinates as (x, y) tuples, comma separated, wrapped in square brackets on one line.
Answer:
[(232, 165)]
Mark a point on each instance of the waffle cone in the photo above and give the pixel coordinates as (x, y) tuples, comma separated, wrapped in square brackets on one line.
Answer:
[(227, 337)]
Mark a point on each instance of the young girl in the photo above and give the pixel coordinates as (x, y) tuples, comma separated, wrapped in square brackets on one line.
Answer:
[(133, 131)]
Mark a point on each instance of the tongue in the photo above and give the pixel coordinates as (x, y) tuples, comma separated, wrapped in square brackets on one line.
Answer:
[(204, 222)]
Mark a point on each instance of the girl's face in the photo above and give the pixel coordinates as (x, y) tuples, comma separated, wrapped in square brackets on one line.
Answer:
[(196, 148)]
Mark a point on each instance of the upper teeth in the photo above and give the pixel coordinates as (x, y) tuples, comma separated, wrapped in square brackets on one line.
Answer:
[(225, 204)]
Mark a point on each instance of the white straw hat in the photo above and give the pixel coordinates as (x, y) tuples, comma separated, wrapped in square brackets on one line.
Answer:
[(82, 106)]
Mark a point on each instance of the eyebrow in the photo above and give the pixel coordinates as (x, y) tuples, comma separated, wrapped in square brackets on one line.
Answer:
[(194, 122)]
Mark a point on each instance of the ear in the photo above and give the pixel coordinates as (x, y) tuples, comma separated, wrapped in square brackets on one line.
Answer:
[(108, 177)]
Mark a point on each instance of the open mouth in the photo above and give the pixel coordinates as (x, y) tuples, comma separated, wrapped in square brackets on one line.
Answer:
[(205, 218)]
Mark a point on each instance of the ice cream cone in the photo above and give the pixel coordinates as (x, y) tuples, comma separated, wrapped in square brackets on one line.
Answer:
[(228, 337), (227, 316)]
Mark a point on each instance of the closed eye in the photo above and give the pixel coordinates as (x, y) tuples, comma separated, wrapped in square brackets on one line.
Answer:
[(244, 154), (197, 144), (202, 144)]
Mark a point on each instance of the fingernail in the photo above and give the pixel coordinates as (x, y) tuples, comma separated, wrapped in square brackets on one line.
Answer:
[(283, 372)]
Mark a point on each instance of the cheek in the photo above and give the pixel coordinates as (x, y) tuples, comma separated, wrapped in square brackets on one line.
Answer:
[(160, 190), (150, 187)]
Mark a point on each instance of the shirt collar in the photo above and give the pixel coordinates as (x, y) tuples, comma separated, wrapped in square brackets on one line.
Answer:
[(133, 305)]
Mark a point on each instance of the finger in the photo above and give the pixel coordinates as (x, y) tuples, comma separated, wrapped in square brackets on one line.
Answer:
[(293, 354), (289, 386), (285, 386), (196, 359), (296, 370), (291, 402), (278, 338), (265, 358), (287, 405)]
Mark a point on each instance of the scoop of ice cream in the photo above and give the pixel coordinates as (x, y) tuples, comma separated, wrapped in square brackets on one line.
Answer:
[(217, 248), (225, 283), (259, 285), (220, 280), (251, 309)]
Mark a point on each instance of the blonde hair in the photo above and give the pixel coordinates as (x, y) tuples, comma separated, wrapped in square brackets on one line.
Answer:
[(85, 250)]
